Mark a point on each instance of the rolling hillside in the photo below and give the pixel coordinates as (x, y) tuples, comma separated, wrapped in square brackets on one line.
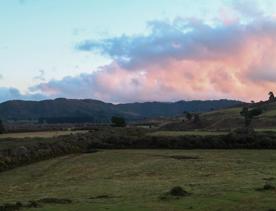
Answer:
[(228, 118), (96, 111)]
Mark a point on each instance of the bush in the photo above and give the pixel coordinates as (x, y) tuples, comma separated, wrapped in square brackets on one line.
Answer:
[(178, 191), (118, 121), (250, 114), (188, 115), (174, 193), (269, 187)]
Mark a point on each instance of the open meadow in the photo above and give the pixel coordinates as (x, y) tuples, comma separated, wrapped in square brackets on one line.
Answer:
[(122, 180)]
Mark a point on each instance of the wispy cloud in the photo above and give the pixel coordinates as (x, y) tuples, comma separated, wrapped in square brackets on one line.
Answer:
[(248, 8), (41, 76)]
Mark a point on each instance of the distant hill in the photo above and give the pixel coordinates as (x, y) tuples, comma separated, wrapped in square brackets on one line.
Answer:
[(71, 110), (158, 109)]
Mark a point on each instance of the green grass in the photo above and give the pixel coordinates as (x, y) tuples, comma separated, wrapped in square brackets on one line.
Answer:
[(265, 129), (228, 111), (187, 133), (200, 132), (271, 113), (44, 134), (218, 180)]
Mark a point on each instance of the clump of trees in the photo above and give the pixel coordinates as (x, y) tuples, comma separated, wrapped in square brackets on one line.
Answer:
[(250, 114), (195, 118), (2, 128), (271, 96), (118, 121), (188, 115)]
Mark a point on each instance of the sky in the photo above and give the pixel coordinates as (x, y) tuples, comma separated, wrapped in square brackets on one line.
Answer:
[(135, 51)]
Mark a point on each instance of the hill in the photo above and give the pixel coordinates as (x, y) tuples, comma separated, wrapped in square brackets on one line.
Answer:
[(227, 118), (72, 110), (159, 109)]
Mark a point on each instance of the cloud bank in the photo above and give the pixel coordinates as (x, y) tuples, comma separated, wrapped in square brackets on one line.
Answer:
[(182, 59)]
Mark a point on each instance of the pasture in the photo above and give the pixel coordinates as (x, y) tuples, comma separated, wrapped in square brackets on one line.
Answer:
[(122, 180)]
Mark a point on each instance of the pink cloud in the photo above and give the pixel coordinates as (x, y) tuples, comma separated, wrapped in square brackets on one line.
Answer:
[(228, 61)]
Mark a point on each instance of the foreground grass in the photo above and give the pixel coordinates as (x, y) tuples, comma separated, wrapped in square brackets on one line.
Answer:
[(44, 134), (187, 133), (134, 180)]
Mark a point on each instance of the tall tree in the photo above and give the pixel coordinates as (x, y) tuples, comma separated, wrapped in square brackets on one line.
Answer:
[(2, 128), (188, 115), (196, 119), (250, 114)]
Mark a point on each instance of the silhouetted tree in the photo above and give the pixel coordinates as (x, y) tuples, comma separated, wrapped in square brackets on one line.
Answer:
[(118, 121), (271, 96), (2, 128), (188, 116), (196, 119), (250, 114)]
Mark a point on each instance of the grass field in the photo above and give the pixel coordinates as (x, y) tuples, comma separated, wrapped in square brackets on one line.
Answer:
[(187, 133), (44, 134), (135, 179), (265, 129), (201, 132), (227, 111)]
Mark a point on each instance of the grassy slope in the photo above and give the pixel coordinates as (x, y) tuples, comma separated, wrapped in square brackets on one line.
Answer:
[(230, 118), (219, 180)]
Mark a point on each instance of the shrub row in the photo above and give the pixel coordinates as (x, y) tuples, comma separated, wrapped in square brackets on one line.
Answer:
[(25, 152)]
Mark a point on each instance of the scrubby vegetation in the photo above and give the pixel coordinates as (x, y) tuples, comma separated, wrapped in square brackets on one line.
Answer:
[(16, 152)]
